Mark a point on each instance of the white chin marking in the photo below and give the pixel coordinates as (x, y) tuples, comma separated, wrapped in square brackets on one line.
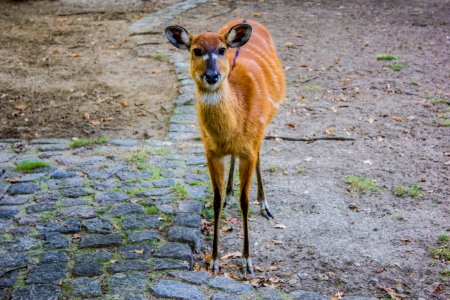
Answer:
[(210, 98)]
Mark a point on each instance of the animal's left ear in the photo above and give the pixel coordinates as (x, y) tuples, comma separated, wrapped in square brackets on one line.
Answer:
[(239, 35), (178, 36)]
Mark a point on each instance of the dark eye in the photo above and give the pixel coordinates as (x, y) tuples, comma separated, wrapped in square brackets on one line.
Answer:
[(221, 51), (198, 52)]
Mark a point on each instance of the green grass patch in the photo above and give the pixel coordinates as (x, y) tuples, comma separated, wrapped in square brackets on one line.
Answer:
[(301, 169), (438, 100), (47, 215), (360, 184), (386, 57), (208, 213), (444, 276), (412, 190), (312, 87), (180, 190), (443, 123), (205, 182), (152, 210), (78, 143), (443, 250), (396, 66), (28, 166)]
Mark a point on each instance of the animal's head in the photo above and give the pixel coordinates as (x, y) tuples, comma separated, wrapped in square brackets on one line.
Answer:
[(209, 65)]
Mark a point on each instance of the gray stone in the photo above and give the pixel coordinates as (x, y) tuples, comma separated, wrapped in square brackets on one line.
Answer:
[(8, 213), (110, 197), (37, 292), (25, 243), (14, 200), (128, 265), (46, 273), (87, 269), (188, 220), (66, 226), (136, 251), (36, 208), (60, 174), (127, 175), (12, 261), (165, 208), (100, 240), (154, 193), (197, 191), (228, 285), (224, 296), (305, 295), (97, 225), (164, 183), (176, 251), (97, 256), (23, 188), (81, 211), (55, 240), (73, 202), (191, 277), (92, 160), (4, 157), (28, 220), (86, 287), (99, 174), (128, 283), (9, 279), (76, 192), (32, 177), (54, 257), (143, 236), (187, 235), (196, 161), (71, 182), (176, 290), (53, 147), (195, 179), (46, 141), (190, 206), (124, 142), (46, 197), (268, 293), (169, 164), (136, 297), (103, 185), (159, 264), (126, 209), (135, 222)]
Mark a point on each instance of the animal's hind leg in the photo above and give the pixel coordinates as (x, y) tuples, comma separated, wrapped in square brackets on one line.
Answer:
[(229, 192), (265, 212)]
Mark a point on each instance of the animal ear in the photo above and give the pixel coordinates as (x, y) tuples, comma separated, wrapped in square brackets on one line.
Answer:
[(178, 36), (239, 35)]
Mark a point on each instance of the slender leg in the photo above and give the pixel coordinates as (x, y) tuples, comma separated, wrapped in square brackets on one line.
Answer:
[(246, 169), (216, 171), (265, 212), (229, 193)]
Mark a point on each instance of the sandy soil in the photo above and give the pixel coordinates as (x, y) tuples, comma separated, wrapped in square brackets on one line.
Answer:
[(336, 241), (68, 69)]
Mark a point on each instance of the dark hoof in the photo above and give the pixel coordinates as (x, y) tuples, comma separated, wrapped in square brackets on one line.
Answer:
[(247, 268), (267, 214)]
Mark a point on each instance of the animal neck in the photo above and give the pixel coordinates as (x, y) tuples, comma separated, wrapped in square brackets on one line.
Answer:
[(219, 108)]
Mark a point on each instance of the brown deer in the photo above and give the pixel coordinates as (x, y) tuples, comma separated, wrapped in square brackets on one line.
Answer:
[(240, 84)]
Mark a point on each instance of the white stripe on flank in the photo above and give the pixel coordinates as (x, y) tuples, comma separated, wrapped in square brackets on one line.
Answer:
[(274, 104)]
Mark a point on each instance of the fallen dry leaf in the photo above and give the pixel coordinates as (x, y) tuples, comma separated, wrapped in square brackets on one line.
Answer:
[(277, 242), (232, 255), (397, 118), (232, 220), (123, 103), (330, 131), (226, 229), (139, 251), (291, 125), (256, 14), (392, 293), (405, 240), (12, 180), (21, 106), (280, 226)]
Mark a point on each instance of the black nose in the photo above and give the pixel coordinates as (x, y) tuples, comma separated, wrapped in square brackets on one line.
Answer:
[(211, 77)]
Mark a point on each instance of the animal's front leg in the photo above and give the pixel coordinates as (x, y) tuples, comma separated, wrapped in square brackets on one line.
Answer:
[(229, 192), (265, 211), (216, 171), (246, 169)]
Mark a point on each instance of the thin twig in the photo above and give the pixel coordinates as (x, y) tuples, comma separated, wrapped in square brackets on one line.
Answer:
[(80, 13), (143, 109), (309, 79), (309, 139)]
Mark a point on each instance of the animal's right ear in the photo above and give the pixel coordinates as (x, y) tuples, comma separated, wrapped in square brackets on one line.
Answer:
[(178, 36)]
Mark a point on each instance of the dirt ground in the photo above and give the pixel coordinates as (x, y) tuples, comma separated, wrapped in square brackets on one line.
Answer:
[(68, 69), (324, 238), (331, 240)]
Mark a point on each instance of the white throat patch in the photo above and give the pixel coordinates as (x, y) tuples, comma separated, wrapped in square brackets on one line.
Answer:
[(210, 98)]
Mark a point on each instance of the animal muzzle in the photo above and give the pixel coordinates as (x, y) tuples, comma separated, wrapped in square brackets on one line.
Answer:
[(211, 77)]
